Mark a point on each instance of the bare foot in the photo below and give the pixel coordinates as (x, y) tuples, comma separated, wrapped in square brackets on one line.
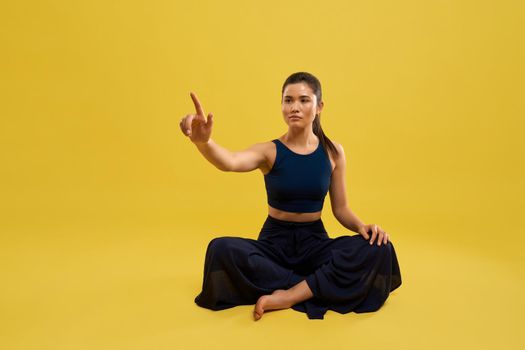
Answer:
[(277, 300)]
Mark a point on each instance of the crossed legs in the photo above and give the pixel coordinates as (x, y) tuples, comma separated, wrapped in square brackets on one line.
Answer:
[(243, 271)]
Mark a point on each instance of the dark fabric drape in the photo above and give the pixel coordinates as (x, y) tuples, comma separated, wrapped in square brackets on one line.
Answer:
[(345, 273)]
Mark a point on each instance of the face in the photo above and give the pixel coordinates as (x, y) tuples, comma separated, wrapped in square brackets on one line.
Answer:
[(299, 105)]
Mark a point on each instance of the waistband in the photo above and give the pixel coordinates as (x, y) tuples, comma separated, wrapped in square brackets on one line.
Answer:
[(293, 223)]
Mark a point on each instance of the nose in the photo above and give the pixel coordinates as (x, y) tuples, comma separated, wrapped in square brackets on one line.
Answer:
[(295, 107)]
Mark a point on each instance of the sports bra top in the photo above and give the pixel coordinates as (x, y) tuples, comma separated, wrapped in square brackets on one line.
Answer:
[(298, 182)]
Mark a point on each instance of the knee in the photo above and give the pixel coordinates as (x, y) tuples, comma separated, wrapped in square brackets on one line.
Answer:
[(220, 246), (380, 250)]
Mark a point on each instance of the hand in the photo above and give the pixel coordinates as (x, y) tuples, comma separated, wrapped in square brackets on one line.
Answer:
[(377, 232), (195, 126)]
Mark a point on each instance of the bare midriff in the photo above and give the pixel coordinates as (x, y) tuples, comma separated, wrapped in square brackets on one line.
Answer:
[(289, 216)]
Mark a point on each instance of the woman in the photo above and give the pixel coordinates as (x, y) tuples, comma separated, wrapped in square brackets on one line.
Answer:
[(293, 263)]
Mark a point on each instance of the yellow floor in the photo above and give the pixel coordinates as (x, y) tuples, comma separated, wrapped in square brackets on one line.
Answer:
[(115, 286)]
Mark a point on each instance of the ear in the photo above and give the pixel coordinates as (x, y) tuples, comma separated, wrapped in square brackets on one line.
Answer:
[(320, 107)]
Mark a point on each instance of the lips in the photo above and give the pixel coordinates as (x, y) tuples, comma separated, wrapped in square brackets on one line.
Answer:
[(294, 117)]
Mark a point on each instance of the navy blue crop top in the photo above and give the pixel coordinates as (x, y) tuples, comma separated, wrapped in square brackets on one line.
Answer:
[(298, 183)]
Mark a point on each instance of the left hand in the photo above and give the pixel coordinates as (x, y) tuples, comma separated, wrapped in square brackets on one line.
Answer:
[(376, 231)]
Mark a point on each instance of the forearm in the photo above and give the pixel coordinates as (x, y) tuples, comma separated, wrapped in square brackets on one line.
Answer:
[(219, 156), (348, 219)]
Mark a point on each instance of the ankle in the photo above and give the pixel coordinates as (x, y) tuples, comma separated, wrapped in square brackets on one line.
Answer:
[(289, 298)]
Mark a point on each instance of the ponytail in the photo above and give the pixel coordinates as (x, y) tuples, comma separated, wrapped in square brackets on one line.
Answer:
[(328, 145)]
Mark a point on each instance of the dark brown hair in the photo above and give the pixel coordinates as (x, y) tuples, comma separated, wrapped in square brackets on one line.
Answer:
[(315, 85)]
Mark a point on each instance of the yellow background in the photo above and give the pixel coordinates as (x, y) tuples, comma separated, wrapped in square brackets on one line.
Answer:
[(106, 208)]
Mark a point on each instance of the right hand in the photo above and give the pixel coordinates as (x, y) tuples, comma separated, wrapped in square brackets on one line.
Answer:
[(196, 126)]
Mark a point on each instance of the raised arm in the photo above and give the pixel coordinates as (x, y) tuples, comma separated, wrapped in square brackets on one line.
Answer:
[(198, 129)]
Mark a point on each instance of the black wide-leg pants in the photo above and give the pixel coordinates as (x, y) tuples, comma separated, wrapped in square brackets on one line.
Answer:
[(345, 273)]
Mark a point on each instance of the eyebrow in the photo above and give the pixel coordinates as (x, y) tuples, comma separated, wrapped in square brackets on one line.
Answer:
[(299, 96)]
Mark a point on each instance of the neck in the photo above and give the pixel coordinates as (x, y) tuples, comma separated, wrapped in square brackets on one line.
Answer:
[(301, 137)]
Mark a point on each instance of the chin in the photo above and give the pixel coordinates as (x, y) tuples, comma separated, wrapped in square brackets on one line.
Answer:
[(296, 125)]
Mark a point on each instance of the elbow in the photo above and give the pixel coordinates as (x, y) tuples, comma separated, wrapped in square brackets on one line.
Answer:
[(227, 165), (339, 211), (335, 211), (224, 168)]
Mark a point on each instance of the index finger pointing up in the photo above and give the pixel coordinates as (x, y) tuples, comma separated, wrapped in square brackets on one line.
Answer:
[(197, 104)]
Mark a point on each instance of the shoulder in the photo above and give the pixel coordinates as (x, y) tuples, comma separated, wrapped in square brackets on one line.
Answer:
[(338, 159), (340, 151), (263, 147), (268, 152), (339, 147), (265, 150)]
